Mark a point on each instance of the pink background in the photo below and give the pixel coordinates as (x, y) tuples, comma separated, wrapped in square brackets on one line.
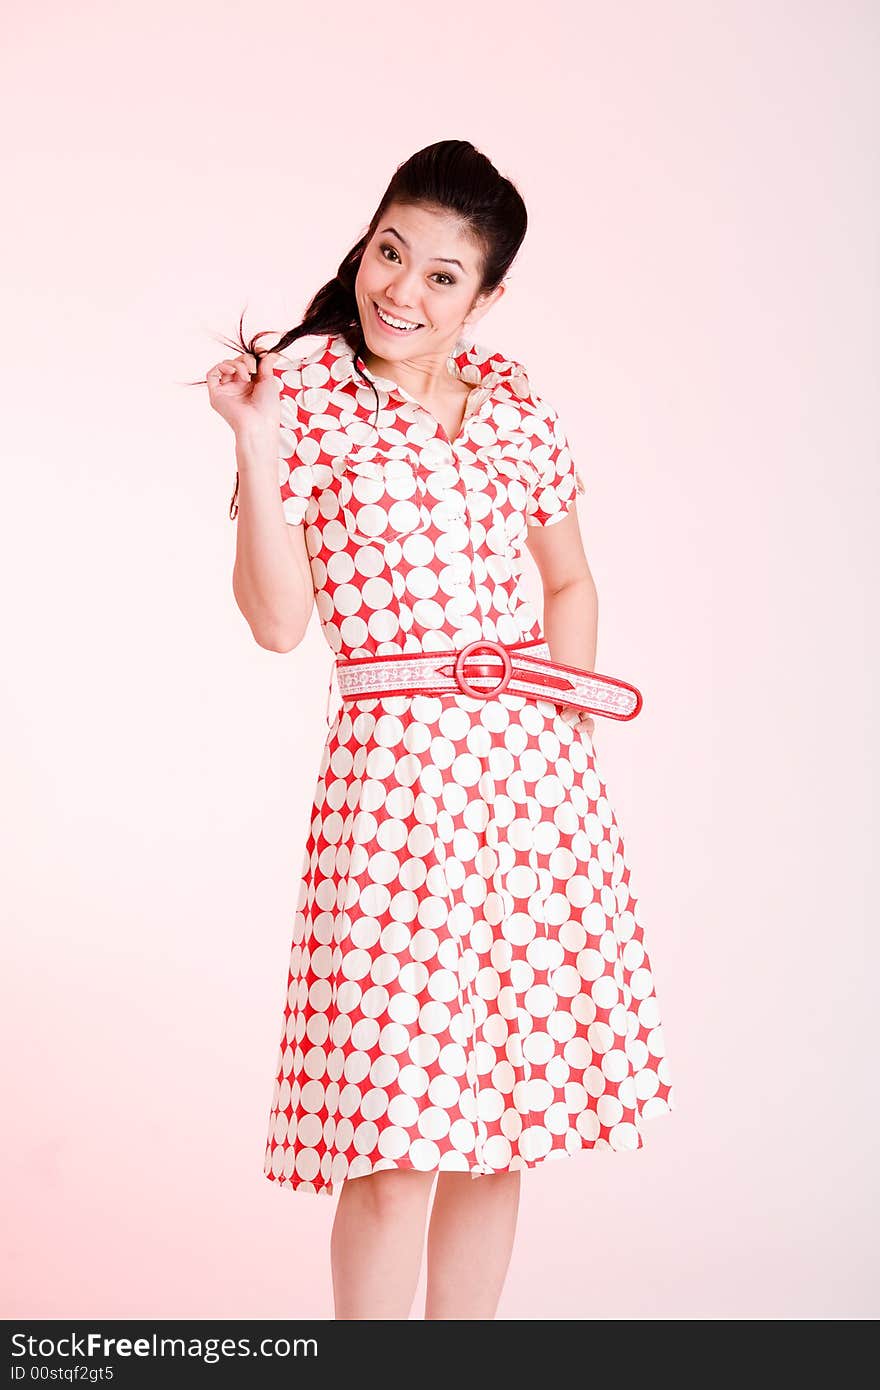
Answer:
[(698, 296)]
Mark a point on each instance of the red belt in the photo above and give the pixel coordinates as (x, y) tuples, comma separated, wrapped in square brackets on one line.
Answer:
[(512, 668)]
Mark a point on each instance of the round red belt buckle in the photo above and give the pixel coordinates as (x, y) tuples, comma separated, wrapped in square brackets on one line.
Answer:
[(487, 646)]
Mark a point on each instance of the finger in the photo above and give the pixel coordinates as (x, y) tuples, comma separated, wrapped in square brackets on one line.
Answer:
[(225, 368), (266, 369)]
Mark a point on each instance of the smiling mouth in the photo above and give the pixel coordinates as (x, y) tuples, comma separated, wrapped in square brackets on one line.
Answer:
[(394, 327)]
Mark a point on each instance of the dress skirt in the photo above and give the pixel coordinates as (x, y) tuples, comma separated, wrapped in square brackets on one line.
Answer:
[(469, 986)]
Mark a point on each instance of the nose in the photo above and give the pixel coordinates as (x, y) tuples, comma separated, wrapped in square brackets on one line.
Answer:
[(402, 290)]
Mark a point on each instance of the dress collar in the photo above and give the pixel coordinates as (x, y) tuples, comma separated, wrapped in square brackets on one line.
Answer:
[(473, 363)]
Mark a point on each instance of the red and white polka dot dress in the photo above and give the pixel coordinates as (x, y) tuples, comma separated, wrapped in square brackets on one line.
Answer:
[(469, 986)]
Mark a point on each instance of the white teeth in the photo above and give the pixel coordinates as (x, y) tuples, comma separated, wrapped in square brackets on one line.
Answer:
[(397, 323)]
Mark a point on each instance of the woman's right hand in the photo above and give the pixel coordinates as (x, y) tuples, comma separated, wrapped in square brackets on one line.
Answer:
[(248, 397)]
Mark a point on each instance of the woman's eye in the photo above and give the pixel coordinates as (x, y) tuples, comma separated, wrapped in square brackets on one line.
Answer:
[(382, 249)]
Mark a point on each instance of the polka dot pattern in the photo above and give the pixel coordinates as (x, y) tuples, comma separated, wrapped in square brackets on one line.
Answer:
[(469, 987)]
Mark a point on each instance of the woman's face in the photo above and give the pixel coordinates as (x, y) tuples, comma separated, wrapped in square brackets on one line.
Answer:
[(420, 268)]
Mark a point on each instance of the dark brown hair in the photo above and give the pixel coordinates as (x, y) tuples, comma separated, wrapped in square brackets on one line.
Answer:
[(451, 176)]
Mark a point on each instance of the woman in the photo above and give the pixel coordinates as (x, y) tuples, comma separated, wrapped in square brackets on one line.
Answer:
[(469, 993)]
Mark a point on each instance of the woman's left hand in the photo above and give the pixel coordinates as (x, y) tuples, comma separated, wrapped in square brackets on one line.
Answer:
[(586, 723)]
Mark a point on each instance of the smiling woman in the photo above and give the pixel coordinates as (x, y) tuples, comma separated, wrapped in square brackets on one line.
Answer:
[(402, 293), (469, 992), (436, 253)]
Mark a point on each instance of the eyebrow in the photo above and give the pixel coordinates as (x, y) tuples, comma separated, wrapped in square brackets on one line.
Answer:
[(447, 260)]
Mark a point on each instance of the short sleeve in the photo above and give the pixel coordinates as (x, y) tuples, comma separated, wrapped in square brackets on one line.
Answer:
[(295, 475), (558, 480)]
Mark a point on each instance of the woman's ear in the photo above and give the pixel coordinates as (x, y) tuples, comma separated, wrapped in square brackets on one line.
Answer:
[(484, 304)]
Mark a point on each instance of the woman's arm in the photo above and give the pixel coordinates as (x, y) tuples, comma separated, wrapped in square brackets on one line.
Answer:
[(571, 621), (271, 579), (571, 604)]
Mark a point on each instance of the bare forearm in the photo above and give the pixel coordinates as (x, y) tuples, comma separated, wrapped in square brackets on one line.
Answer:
[(272, 587), (571, 621)]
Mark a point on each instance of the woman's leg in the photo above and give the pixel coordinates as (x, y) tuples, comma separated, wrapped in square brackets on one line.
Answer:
[(470, 1239), (376, 1243)]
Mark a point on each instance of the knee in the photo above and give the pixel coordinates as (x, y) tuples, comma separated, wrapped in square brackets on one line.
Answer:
[(389, 1192)]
